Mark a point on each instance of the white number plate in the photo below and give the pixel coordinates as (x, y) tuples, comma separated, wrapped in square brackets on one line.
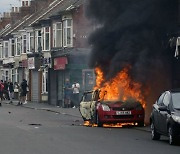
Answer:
[(123, 112)]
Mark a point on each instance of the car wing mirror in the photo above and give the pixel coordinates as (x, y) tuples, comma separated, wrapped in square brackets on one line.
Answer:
[(163, 108)]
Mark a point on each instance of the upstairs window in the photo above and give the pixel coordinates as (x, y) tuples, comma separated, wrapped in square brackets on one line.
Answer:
[(24, 43), (12, 47), (38, 41), (67, 33), (30, 41), (46, 38), (6, 49), (18, 46), (1, 50), (57, 34)]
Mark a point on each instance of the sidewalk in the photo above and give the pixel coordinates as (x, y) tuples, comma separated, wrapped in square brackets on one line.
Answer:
[(47, 107), (65, 111)]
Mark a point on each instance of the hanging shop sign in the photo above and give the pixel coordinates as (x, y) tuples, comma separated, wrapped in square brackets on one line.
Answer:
[(31, 63), (60, 63)]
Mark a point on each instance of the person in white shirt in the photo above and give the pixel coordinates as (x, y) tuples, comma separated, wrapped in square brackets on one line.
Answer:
[(75, 93)]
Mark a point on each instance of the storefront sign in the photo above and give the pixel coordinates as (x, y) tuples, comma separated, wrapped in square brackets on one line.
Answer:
[(31, 63), (60, 63)]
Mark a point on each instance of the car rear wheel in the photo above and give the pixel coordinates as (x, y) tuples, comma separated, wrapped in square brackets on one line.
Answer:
[(154, 134), (172, 137)]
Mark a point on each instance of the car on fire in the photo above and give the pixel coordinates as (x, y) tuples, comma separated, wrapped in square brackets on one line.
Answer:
[(165, 116), (102, 111)]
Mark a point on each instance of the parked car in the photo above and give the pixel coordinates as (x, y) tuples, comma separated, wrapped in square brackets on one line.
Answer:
[(165, 116), (104, 112)]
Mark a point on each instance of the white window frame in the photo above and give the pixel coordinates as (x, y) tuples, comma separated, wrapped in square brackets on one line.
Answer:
[(24, 43), (5, 49), (18, 44), (1, 51), (65, 33), (30, 41), (56, 32), (14, 75), (46, 34), (38, 40), (12, 47)]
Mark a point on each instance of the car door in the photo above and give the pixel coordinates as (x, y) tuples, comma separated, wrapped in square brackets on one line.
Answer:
[(164, 114), (155, 112)]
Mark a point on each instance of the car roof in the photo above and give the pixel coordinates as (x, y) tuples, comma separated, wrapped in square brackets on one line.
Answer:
[(174, 90)]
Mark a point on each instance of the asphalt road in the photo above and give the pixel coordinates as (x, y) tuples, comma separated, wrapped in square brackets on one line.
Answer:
[(29, 131)]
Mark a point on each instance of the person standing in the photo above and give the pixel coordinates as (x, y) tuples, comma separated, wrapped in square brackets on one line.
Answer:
[(1, 90), (6, 90), (23, 92), (75, 93), (11, 90), (67, 93)]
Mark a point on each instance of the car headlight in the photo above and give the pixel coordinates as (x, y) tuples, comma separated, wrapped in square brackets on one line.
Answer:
[(176, 118), (105, 107)]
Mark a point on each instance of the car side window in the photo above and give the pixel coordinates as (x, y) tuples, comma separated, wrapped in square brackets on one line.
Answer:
[(160, 100), (166, 99)]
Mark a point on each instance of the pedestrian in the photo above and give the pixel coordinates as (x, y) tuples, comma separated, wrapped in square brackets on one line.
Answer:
[(11, 90), (67, 94), (75, 94), (1, 91), (23, 92), (6, 90)]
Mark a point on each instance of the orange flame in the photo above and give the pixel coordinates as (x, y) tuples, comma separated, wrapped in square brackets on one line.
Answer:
[(121, 87)]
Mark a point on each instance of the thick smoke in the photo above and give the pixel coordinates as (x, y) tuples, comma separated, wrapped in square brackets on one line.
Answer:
[(132, 32)]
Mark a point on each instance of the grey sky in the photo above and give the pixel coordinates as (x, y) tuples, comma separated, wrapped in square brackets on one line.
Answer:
[(5, 5)]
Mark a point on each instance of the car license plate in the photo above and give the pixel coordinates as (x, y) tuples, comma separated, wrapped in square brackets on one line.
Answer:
[(123, 112)]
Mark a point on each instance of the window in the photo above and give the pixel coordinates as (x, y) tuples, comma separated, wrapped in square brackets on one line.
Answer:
[(24, 43), (160, 103), (12, 47), (6, 49), (1, 51), (18, 45), (166, 99), (30, 41), (46, 38), (67, 33), (57, 34), (45, 81), (38, 41)]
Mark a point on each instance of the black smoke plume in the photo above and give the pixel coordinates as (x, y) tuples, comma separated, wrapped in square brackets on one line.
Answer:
[(132, 32)]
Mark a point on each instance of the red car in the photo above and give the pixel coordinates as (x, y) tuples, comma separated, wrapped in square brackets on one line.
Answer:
[(110, 112)]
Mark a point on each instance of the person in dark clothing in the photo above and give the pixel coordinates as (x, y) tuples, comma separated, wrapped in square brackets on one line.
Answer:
[(6, 90), (67, 94), (11, 90), (23, 92), (1, 90)]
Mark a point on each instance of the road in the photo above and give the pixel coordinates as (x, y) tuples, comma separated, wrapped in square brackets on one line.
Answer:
[(29, 131)]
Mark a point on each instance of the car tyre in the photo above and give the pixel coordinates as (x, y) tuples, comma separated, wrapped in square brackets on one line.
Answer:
[(154, 134), (172, 137)]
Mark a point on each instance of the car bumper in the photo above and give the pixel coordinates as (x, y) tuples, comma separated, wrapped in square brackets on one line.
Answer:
[(113, 117)]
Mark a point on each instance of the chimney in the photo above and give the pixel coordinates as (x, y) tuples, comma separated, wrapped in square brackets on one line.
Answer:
[(25, 9), (15, 15)]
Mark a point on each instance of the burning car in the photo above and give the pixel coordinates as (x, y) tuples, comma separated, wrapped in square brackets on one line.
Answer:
[(99, 111)]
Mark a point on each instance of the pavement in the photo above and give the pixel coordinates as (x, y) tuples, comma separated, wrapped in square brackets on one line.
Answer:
[(56, 109)]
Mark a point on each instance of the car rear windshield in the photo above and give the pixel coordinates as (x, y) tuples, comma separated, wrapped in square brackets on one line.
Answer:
[(176, 100)]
